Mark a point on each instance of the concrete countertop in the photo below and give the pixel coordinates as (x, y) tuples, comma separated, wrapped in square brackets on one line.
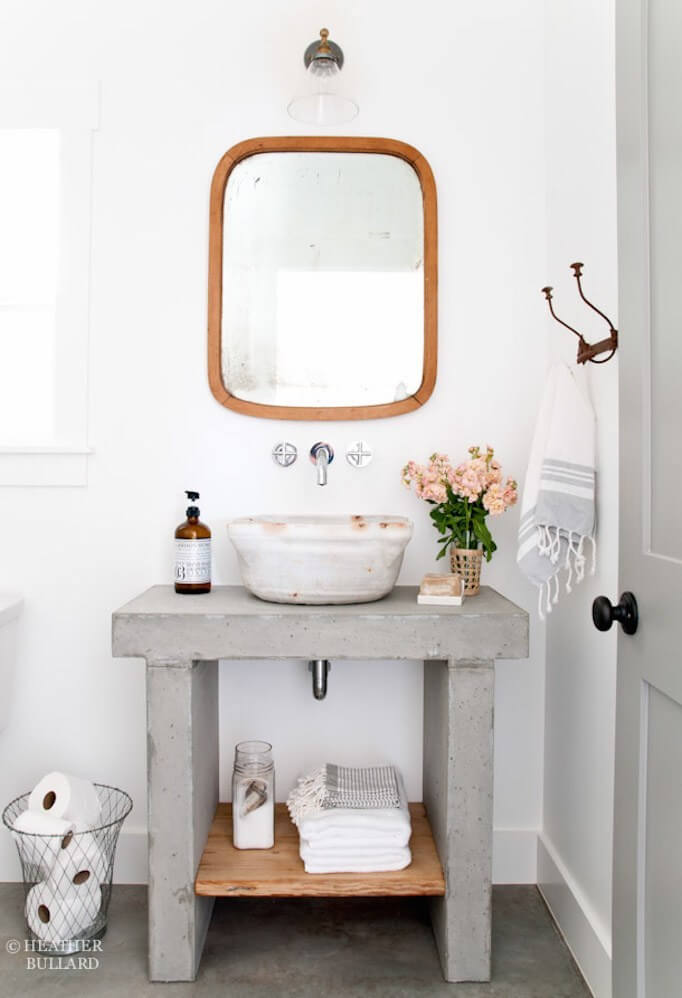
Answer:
[(231, 623)]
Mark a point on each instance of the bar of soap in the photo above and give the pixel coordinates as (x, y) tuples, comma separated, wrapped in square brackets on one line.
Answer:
[(441, 590), (441, 585)]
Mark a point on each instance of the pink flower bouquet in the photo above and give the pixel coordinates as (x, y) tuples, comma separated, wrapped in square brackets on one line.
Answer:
[(463, 497)]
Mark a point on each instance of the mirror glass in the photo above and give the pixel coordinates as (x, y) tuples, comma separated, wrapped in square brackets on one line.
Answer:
[(322, 279)]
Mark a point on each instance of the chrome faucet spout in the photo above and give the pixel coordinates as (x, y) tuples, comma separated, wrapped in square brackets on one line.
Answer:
[(320, 669), (321, 455)]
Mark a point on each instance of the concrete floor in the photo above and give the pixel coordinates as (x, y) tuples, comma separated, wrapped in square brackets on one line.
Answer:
[(364, 948)]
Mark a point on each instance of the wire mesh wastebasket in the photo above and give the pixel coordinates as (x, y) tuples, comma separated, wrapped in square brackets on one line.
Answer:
[(67, 878)]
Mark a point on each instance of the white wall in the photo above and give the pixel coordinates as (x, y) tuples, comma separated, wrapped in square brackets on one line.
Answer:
[(574, 868), (179, 85)]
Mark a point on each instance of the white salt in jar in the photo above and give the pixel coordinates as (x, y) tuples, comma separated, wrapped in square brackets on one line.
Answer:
[(253, 796)]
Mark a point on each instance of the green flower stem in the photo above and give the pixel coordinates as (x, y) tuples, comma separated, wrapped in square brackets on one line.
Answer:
[(462, 524)]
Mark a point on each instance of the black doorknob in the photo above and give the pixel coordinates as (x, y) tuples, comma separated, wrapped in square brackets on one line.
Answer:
[(626, 613)]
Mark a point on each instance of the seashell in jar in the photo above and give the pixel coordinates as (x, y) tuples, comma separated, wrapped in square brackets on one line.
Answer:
[(255, 796)]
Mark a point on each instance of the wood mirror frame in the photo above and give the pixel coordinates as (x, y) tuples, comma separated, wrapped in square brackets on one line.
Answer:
[(390, 147)]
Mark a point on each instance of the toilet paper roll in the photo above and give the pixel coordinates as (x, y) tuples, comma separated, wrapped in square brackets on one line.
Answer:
[(64, 796), (55, 916), (79, 859), (39, 838)]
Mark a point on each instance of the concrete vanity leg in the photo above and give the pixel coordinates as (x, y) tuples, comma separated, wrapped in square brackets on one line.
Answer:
[(458, 794), (182, 773)]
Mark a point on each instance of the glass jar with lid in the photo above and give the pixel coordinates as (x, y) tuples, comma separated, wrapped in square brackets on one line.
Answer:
[(253, 796)]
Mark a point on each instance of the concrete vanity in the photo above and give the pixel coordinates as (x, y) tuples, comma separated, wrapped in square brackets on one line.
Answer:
[(183, 637)]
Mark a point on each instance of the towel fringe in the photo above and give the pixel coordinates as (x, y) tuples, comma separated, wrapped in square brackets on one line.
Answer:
[(542, 543), (307, 796), (569, 564), (549, 540)]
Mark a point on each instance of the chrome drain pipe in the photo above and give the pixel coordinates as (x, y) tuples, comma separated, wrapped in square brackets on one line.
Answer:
[(320, 669)]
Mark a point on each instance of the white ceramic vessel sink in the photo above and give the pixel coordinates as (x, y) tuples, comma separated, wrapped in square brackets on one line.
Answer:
[(320, 559)]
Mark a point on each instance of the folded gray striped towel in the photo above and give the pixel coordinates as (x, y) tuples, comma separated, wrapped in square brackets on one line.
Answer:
[(333, 786)]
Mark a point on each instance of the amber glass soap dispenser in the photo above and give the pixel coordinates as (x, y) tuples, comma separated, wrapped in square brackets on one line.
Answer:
[(192, 552)]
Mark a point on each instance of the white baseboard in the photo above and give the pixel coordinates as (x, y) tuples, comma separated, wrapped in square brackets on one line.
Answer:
[(586, 937), (514, 857)]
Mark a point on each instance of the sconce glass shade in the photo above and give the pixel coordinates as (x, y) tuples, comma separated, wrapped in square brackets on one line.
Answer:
[(321, 104)]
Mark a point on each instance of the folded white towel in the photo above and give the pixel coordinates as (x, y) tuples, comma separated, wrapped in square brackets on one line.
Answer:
[(351, 839), (391, 829), (358, 848), (346, 837), (314, 862)]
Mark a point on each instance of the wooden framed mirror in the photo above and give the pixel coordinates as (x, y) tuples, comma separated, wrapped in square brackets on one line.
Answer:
[(323, 269)]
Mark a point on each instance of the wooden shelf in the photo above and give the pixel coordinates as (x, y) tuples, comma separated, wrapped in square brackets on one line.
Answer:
[(278, 872)]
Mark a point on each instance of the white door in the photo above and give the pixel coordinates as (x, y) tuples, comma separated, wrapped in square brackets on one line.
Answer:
[(647, 901)]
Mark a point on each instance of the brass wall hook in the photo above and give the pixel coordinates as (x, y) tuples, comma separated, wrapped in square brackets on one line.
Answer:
[(587, 351)]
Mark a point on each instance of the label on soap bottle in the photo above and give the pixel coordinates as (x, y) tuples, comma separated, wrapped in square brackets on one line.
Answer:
[(193, 561)]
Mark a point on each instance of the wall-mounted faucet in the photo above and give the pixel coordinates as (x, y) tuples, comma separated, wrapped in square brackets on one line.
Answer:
[(321, 455)]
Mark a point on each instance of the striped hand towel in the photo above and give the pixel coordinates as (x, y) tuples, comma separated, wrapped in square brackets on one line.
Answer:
[(558, 508), (331, 786)]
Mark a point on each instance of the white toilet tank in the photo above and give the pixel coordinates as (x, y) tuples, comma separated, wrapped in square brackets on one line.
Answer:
[(10, 609)]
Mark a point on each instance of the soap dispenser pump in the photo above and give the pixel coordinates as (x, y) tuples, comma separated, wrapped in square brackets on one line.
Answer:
[(192, 552)]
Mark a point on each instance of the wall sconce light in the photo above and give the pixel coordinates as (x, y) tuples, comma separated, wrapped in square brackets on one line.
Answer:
[(322, 105)]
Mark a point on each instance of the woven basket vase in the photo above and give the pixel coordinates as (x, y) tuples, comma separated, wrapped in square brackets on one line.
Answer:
[(467, 564)]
